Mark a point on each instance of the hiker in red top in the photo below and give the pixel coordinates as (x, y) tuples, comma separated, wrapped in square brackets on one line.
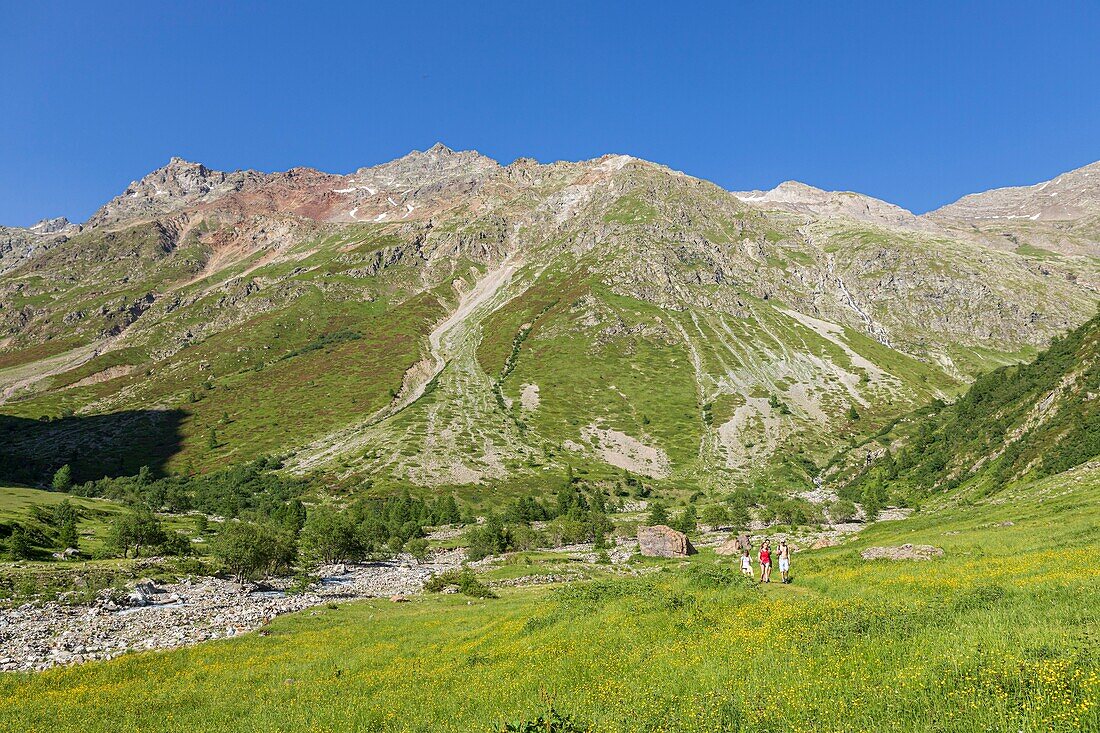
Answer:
[(766, 562)]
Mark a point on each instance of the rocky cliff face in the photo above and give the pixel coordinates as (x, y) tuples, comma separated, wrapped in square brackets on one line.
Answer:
[(443, 320)]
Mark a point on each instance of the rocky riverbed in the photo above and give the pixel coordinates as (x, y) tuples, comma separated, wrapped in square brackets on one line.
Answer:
[(167, 615), (163, 616)]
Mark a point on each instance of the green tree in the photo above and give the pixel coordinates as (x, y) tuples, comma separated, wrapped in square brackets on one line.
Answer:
[(739, 515), (418, 548), (600, 527), (246, 549), (658, 514), (212, 441), (873, 499), (688, 520), (176, 544), (134, 531), (853, 413), (64, 513), (19, 544), (329, 536), (486, 539), (68, 536), (446, 511), (715, 515), (63, 478)]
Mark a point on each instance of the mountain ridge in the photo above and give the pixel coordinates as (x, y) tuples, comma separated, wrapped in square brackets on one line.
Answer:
[(439, 160), (444, 320)]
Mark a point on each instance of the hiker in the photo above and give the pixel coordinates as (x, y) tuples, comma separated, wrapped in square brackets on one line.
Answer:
[(746, 564), (766, 562), (784, 561)]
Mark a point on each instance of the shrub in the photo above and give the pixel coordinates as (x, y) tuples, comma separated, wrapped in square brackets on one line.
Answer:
[(842, 510), (716, 576), (567, 531), (551, 722), (599, 591), (465, 580), (418, 548)]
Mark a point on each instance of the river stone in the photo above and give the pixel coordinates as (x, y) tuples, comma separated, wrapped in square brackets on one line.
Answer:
[(662, 541)]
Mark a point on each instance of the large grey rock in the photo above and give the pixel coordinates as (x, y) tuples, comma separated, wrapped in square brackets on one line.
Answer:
[(662, 541)]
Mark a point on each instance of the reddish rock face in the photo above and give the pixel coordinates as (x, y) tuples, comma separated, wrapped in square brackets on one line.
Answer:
[(662, 541)]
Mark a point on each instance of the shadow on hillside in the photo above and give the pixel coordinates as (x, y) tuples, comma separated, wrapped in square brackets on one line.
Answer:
[(117, 444)]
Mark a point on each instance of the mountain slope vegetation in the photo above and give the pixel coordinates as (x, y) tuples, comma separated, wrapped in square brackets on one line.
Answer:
[(1015, 423), (445, 322)]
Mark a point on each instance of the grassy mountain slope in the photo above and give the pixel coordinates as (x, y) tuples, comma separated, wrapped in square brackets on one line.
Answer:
[(444, 321), (1017, 422)]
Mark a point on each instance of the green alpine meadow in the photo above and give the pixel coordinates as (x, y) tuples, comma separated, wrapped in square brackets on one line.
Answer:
[(635, 421)]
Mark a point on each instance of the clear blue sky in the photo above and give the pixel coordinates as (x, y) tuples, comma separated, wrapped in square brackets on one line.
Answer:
[(914, 102)]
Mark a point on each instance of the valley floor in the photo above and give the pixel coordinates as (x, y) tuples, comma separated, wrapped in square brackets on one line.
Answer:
[(1000, 634)]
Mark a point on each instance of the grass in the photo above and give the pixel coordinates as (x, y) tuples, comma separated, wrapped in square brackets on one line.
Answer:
[(96, 516), (998, 635)]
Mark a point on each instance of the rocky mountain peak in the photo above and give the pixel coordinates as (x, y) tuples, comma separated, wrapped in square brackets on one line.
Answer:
[(423, 167), (51, 226), (802, 198), (1069, 196), (178, 184)]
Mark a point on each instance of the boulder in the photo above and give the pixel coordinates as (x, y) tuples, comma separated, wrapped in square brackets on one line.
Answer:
[(729, 547), (144, 593), (662, 541), (902, 552), (734, 546)]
